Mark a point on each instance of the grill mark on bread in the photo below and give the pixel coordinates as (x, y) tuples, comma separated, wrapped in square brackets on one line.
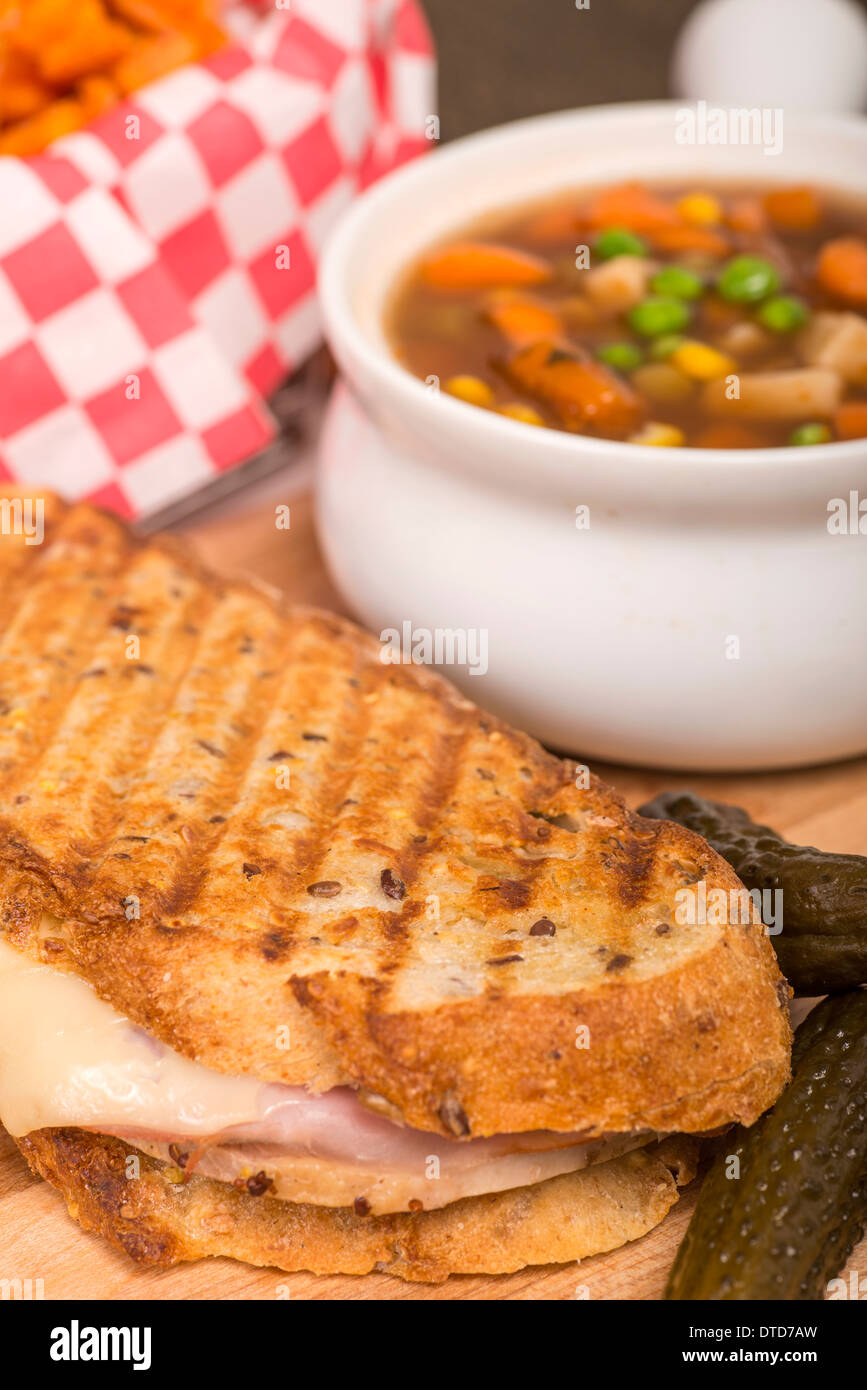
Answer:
[(31, 610), (396, 930), (399, 1002), (632, 858), (415, 859), (230, 777), (16, 558), (132, 721), (171, 744), (514, 892), (310, 851), (343, 748)]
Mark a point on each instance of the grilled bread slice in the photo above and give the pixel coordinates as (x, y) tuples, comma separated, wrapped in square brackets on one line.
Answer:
[(160, 1222), (286, 858)]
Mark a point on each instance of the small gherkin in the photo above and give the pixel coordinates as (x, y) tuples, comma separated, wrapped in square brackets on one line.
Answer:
[(782, 1222), (823, 944)]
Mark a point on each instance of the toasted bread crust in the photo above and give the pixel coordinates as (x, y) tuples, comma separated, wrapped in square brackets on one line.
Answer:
[(168, 818), (690, 1050), (157, 1222)]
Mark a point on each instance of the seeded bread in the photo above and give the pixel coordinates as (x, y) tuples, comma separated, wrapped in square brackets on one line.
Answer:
[(158, 1222), (287, 859)]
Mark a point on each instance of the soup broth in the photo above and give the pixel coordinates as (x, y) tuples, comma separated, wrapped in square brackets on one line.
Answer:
[(718, 317)]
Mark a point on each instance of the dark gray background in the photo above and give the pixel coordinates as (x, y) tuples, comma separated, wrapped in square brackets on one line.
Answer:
[(501, 59)]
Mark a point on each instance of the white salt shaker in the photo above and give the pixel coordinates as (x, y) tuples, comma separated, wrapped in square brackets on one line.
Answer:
[(810, 54)]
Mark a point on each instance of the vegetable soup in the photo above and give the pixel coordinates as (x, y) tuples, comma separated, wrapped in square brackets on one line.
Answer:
[(730, 317)]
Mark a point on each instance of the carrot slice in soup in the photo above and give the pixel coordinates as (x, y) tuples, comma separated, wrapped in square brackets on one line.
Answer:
[(842, 269), (585, 395), (522, 321), (793, 209), (746, 215), (850, 420), (691, 239), (476, 265), (634, 206)]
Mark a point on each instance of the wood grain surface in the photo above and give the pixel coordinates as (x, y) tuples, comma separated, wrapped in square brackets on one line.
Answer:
[(825, 806)]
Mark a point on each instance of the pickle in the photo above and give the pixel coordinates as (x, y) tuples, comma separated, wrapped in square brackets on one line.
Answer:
[(823, 944), (787, 1224)]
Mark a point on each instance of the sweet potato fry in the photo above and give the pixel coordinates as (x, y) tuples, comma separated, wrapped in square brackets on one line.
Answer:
[(144, 14), (21, 99), (63, 63), (153, 58), (29, 27), (96, 94), (22, 91), (32, 136), (84, 51)]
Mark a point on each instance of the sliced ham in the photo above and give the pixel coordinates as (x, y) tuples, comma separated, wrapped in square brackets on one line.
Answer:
[(67, 1058), (330, 1151)]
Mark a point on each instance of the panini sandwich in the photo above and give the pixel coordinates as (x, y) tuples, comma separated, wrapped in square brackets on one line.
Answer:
[(306, 960)]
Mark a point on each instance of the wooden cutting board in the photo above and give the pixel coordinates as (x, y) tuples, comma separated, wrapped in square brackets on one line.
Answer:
[(825, 806)]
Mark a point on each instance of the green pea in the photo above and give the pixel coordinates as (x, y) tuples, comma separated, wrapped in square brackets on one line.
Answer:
[(677, 281), (618, 241), (746, 279), (657, 315), (623, 357), (783, 313), (663, 347), (813, 433)]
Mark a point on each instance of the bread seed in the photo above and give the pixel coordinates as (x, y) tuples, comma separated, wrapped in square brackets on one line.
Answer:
[(544, 927), (453, 1116), (392, 886), (619, 962), (327, 888)]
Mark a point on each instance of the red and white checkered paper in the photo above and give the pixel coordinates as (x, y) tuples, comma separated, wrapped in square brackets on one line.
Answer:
[(143, 314)]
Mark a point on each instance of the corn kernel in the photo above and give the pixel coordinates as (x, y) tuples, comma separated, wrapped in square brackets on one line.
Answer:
[(700, 209), (659, 435), (702, 363), (470, 389), (516, 411)]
